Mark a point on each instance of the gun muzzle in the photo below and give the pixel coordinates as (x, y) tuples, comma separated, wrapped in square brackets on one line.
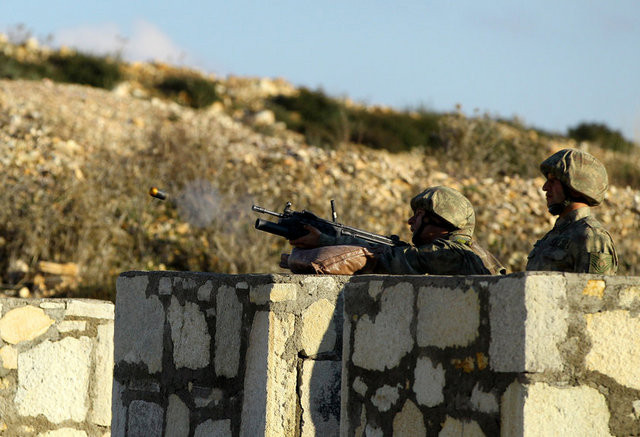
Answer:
[(157, 193)]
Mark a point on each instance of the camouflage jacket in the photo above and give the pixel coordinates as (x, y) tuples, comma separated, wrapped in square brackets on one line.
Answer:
[(577, 243), (453, 255)]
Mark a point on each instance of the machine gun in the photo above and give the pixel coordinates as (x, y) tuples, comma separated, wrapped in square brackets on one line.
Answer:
[(290, 225)]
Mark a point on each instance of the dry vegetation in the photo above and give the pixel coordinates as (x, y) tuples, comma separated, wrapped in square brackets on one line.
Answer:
[(77, 162)]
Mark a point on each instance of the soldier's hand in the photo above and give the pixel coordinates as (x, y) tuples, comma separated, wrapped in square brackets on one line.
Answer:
[(307, 241)]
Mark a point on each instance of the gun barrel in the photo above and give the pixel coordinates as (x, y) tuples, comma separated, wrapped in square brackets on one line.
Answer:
[(265, 211), (157, 193)]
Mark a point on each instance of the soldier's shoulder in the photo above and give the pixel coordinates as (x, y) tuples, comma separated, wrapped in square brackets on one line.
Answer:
[(593, 229)]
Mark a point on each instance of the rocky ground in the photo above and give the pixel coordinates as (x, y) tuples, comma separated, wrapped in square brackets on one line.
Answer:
[(77, 163)]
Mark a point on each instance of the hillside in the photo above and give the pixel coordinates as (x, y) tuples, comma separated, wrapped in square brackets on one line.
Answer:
[(78, 161)]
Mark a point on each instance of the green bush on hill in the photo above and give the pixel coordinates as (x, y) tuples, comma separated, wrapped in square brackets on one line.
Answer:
[(327, 122), (321, 119), (76, 68), (11, 68), (85, 69), (189, 91), (602, 135)]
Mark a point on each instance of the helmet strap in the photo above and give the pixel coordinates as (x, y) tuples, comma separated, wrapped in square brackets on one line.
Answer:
[(558, 208), (415, 238)]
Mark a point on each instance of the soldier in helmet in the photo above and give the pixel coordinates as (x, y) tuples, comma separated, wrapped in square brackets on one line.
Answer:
[(442, 225), (578, 242)]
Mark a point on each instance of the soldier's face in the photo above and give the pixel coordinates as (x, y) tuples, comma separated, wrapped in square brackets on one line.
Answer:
[(423, 231), (553, 189)]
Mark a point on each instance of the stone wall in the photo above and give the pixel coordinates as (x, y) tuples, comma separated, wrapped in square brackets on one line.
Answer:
[(204, 354), (523, 355), (56, 360)]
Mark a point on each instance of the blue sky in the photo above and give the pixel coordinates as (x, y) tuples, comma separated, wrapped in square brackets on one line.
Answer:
[(551, 63)]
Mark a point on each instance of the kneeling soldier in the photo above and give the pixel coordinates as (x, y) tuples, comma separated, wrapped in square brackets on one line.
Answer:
[(442, 225)]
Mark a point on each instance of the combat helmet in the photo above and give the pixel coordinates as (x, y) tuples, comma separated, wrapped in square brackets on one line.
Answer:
[(579, 171), (449, 205)]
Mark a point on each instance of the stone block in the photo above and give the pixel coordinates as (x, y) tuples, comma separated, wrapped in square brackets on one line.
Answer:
[(542, 410), (455, 428), (228, 332), (211, 428), (24, 324), (190, 335), (483, 401), (320, 398), (375, 288), (9, 357), (385, 397), (204, 292), (359, 386), (49, 305), (270, 378), (615, 349), (119, 411), (318, 329), (53, 380), (72, 325), (409, 422), (270, 293), (90, 308), (318, 285), (142, 340), (177, 420), (429, 382), (594, 288), (447, 317), (102, 377), (145, 419), (165, 288), (629, 297), (380, 342), (528, 320), (184, 283)]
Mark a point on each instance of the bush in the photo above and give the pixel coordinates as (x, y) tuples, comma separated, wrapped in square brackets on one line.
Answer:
[(11, 68), (190, 91), (78, 68), (321, 119), (482, 146), (394, 131), (326, 122), (603, 136), (85, 69)]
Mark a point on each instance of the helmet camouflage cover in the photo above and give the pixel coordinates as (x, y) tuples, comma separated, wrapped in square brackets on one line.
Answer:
[(579, 171), (449, 205)]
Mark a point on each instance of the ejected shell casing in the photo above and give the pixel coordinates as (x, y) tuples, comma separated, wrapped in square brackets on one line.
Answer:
[(157, 193)]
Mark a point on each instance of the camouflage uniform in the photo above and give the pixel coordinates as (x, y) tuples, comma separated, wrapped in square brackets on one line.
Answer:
[(578, 242), (454, 254)]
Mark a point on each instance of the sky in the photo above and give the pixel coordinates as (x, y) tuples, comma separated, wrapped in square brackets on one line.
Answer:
[(551, 64)]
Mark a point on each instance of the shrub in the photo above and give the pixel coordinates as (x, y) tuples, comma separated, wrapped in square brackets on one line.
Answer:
[(190, 91), (327, 122), (482, 146), (394, 131), (321, 119), (85, 69), (11, 68), (602, 135), (77, 68)]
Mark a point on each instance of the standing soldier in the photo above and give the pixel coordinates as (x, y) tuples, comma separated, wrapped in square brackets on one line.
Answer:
[(578, 242), (442, 225)]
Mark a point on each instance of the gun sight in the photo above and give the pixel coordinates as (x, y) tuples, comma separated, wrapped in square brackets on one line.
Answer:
[(157, 193)]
